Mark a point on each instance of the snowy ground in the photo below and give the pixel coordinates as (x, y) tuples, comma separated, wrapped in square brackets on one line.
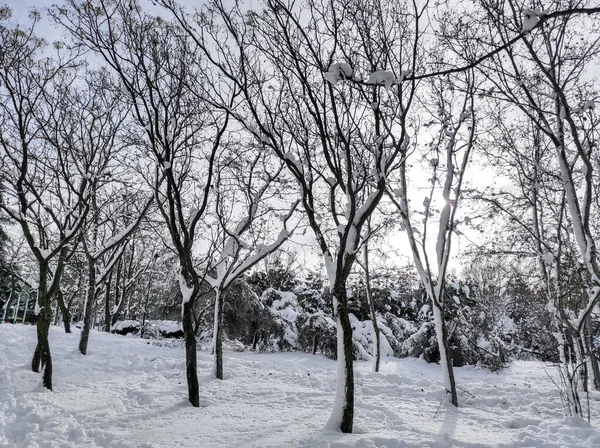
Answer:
[(128, 393)]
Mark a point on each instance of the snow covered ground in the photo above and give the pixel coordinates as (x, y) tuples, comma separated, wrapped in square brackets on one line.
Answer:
[(130, 393)]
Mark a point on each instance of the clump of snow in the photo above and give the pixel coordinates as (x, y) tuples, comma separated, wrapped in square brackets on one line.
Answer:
[(531, 18), (186, 292), (548, 257), (126, 324), (382, 77), (338, 71)]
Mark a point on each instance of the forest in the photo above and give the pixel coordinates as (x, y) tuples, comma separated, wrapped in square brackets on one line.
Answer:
[(357, 180)]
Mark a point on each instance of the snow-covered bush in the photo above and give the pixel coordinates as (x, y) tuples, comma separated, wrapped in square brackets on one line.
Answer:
[(283, 307), (480, 330), (317, 333), (125, 327), (363, 335), (397, 330), (158, 329), (422, 343)]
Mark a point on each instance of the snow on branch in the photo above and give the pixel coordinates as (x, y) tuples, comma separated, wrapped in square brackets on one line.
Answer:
[(124, 234)]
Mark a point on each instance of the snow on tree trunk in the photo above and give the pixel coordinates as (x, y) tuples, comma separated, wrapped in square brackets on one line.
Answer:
[(445, 358), (8, 300), (342, 416)]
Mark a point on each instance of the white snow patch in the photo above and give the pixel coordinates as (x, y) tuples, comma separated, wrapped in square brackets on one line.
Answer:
[(127, 392)]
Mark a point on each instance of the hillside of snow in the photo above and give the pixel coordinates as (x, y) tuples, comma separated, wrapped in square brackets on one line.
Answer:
[(129, 392)]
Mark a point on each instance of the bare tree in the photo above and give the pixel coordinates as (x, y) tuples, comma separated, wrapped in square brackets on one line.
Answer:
[(300, 73), (163, 83), (545, 79), (448, 156), (247, 186), (47, 184)]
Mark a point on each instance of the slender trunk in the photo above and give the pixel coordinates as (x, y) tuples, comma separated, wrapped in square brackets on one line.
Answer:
[(145, 310), (64, 311), (82, 295), (315, 344), (42, 357), (118, 294), (594, 370), (570, 396), (445, 356), (580, 364), (190, 355), (218, 335), (9, 299), (376, 342), (16, 314), (107, 313), (89, 306), (342, 416), (255, 340)]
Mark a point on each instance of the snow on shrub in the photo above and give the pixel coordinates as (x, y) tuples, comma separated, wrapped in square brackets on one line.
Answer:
[(282, 306), (125, 327), (363, 336)]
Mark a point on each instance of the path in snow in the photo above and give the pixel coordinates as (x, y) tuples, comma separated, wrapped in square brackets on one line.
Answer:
[(130, 393)]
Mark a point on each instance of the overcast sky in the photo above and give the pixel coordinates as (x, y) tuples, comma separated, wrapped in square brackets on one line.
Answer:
[(395, 241)]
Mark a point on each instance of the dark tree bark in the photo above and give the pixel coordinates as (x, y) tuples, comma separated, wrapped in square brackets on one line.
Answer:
[(107, 313), (343, 319), (218, 335), (90, 300), (190, 355), (589, 337), (119, 295), (64, 310), (42, 357), (377, 347)]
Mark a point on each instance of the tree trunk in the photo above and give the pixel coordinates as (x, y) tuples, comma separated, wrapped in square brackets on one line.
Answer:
[(42, 357), (107, 314), (580, 367), (88, 315), (376, 342), (64, 311), (119, 296), (82, 296), (190, 355), (315, 344), (8, 300), (342, 416), (571, 398), (445, 356), (594, 370), (16, 314), (218, 336)]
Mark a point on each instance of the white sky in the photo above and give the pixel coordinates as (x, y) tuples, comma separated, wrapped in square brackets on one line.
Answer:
[(395, 240)]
